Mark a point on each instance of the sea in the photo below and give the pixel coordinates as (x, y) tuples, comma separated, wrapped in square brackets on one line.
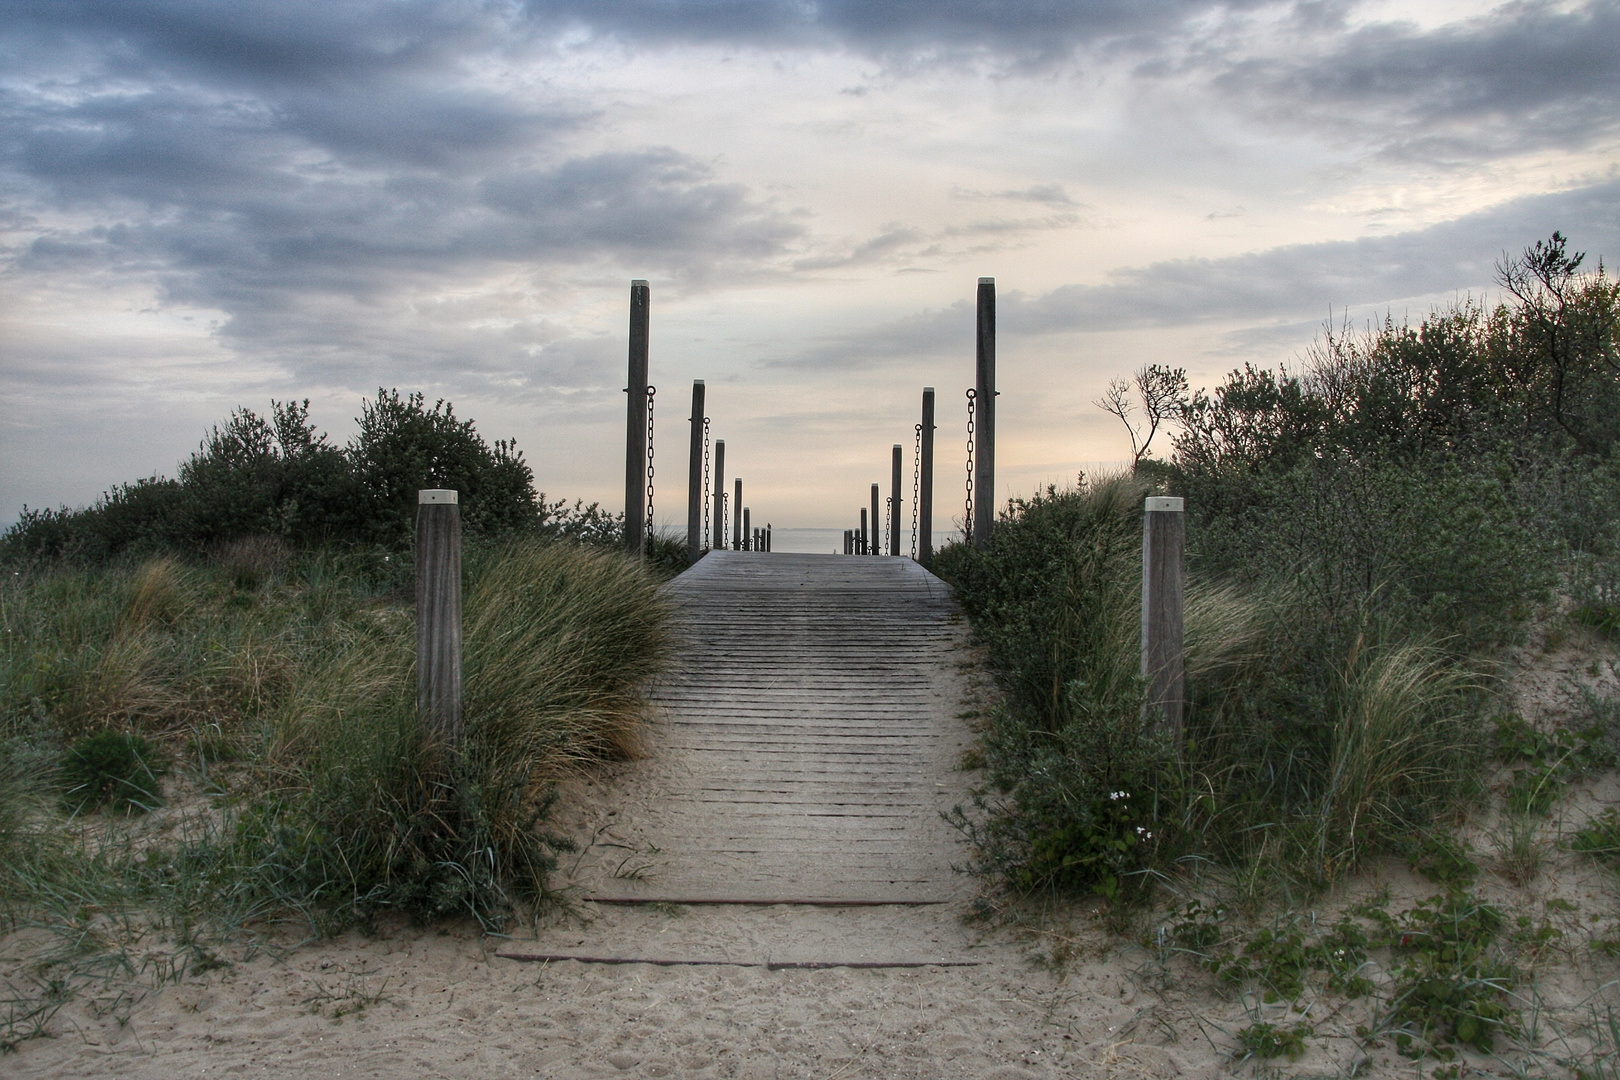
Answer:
[(831, 541)]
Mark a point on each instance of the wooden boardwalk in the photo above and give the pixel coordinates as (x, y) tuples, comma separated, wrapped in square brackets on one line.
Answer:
[(805, 748)]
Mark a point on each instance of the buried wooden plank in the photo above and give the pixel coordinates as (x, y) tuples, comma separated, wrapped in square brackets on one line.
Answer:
[(768, 965)]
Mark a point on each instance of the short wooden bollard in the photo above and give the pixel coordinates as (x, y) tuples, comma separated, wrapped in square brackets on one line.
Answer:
[(747, 530), (438, 613), (767, 536), (1164, 531)]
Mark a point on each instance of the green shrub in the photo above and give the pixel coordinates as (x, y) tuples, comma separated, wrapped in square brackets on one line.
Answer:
[(111, 769), (1310, 742), (256, 478), (1080, 791)]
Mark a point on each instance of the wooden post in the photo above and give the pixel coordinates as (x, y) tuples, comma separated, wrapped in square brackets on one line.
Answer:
[(925, 496), (1164, 531), (736, 517), (719, 543), (848, 542), (438, 614), (747, 530), (984, 437), (767, 536), (894, 500), (860, 542), (635, 452), (877, 526), (694, 478)]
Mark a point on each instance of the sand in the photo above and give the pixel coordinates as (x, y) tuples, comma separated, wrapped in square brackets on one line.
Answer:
[(441, 1002)]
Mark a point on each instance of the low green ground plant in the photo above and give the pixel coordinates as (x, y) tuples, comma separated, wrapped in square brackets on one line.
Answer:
[(1440, 975), (1266, 1040)]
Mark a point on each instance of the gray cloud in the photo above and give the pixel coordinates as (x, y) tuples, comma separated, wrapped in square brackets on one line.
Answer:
[(1303, 280), (1278, 288), (320, 173), (1526, 76), (1032, 30)]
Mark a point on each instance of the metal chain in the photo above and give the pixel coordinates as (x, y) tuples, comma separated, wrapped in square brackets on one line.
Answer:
[(651, 391), (888, 514), (705, 483), (916, 489), (967, 530)]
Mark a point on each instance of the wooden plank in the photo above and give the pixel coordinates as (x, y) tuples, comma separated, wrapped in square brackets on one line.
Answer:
[(807, 746)]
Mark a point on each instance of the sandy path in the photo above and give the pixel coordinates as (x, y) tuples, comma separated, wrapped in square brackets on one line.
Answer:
[(425, 1003)]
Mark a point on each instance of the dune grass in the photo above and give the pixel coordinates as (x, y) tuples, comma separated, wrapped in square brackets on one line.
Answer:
[(1310, 743), (278, 688)]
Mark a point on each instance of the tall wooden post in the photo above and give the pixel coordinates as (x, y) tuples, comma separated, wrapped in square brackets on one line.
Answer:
[(925, 495), (877, 526), (1164, 531), (848, 542), (635, 452), (767, 536), (747, 531), (438, 614), (694, 478), (860, 541), (719, 542), (984, 471), (894, 499), (736, 517)]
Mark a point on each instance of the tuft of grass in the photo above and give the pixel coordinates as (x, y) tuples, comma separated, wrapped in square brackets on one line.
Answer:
[(560, 644), (251, 562), (1520, 849), (115, 770), (1403, 733), (158, 594)]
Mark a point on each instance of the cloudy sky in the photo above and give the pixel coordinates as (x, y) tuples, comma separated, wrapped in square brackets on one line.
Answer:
[(212, 204)]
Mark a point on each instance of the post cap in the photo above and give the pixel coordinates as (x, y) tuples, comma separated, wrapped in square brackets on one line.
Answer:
[(897, 446), (987, 281), (697, 382), (638, 283), (928, 389), (1162, 504), (426, 496)]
